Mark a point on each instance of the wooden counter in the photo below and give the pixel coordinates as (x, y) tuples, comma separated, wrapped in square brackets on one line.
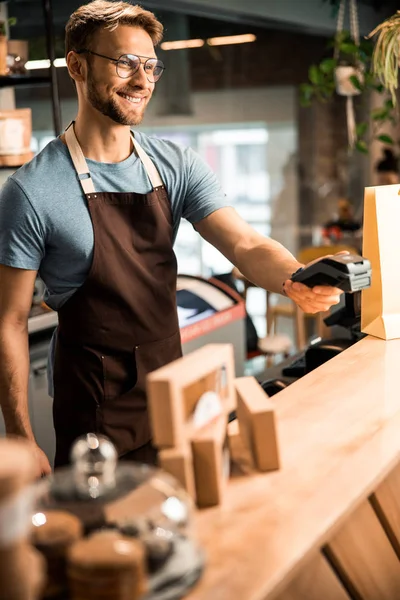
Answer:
[(315, 529)]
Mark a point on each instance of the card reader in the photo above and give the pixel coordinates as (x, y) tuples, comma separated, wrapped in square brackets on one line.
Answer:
[(348, 272)]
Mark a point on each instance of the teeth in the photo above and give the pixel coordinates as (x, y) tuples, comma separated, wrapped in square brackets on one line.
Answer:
[(131, 99)]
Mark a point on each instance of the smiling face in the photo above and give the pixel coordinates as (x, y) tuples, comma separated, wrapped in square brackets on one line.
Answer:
[(122, 100)]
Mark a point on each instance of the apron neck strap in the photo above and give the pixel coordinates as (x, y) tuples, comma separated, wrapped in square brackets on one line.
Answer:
[(79, 160), (148, 164), (82, 168)]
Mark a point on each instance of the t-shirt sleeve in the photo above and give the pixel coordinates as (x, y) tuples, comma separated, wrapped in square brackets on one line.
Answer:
[(22, 240), (204, 194)]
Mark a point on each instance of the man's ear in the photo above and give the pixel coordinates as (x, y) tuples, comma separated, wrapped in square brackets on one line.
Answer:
[(76, 66)]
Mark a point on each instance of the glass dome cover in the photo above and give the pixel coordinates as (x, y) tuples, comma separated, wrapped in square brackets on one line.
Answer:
[(113, 502)]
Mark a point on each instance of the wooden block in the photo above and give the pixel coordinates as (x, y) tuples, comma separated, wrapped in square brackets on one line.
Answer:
[(211, 462), (256, 416), (364, 558), (174, 390), (315, 581), (241, 460), (233, 436), (179, 463)]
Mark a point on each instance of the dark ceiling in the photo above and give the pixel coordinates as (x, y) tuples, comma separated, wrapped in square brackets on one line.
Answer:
[(29, 15), (30, 21)]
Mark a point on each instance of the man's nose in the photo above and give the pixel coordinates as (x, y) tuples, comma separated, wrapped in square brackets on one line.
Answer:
[(139, 77)]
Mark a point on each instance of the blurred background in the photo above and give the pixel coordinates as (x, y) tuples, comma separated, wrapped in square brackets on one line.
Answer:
[(232, 91)]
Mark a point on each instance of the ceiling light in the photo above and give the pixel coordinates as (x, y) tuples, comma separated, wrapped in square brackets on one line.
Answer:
[(31, 65), (37, 64), (181, 44), (232, 39)]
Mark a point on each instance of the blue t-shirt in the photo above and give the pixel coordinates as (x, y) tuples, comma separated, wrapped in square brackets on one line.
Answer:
[(45, 223)]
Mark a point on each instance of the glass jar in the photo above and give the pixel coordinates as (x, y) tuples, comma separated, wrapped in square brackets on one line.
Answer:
[(124, 526)]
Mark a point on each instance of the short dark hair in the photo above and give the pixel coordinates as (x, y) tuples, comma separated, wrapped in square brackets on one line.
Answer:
[(103, 14)]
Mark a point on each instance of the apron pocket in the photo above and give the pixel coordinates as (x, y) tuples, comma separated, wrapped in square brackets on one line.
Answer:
[(123, 416), (119, 373), (152, 356)]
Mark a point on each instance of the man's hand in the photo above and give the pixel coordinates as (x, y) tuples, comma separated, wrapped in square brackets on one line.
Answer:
[(313, 300), (43, 465)]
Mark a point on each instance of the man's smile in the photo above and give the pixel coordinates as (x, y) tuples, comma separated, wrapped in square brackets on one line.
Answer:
[(132, 99)]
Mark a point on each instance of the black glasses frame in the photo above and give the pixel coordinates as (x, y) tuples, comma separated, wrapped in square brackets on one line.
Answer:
[(130, 56)]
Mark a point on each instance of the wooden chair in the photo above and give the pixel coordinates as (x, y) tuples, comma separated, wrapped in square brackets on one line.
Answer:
[(288, 309), (273, 344)]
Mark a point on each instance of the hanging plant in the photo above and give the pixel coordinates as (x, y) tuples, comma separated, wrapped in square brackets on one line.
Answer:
[(349, 74), (10, 22), (386, 53)]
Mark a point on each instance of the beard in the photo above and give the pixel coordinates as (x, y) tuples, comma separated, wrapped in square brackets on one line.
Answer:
[(110, 108)]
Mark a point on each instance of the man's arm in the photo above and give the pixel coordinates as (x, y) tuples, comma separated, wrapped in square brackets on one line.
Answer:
[(261, 260), (16, 291)]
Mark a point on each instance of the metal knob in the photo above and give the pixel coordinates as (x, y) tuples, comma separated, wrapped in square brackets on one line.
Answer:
[(94, 461)]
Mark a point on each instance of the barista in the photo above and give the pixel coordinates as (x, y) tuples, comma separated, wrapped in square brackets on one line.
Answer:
[(96, 213)]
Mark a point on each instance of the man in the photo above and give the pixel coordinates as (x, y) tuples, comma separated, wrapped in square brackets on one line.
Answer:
[(96, 212)]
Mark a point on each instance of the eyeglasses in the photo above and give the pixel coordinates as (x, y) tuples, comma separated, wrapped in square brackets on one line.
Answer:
[(128, 64)]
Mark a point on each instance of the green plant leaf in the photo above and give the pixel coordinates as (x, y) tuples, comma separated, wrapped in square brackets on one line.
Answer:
[(379, 114), (306, 88), (370, 80), (341, 37), (386, 139), (12, 21), (361, 129), (367, 47), (306, 94), (348, 48), (356, 82), (314, 75), (328, 65), (361, 146)]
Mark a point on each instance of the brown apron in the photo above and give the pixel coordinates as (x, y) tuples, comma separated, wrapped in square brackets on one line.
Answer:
[(122, 322)]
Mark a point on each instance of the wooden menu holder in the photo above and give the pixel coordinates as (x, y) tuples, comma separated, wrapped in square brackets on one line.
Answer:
[(194, 454), (174, 390), (256, 416), (197, 455)]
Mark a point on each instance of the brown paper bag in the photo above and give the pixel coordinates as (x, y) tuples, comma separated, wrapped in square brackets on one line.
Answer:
[(380, 304)]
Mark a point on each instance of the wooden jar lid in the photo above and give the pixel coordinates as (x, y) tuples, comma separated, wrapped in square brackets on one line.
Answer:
[(106, 550), (60, 530)]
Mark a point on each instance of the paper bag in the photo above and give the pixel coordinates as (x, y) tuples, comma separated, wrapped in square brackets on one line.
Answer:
[(380, 304)]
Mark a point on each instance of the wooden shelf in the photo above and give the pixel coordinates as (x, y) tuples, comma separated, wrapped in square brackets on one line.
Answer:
[(23, 80), (14, 162)]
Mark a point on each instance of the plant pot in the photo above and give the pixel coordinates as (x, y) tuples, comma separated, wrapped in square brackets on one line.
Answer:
[(344, 86), (3, 55)]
